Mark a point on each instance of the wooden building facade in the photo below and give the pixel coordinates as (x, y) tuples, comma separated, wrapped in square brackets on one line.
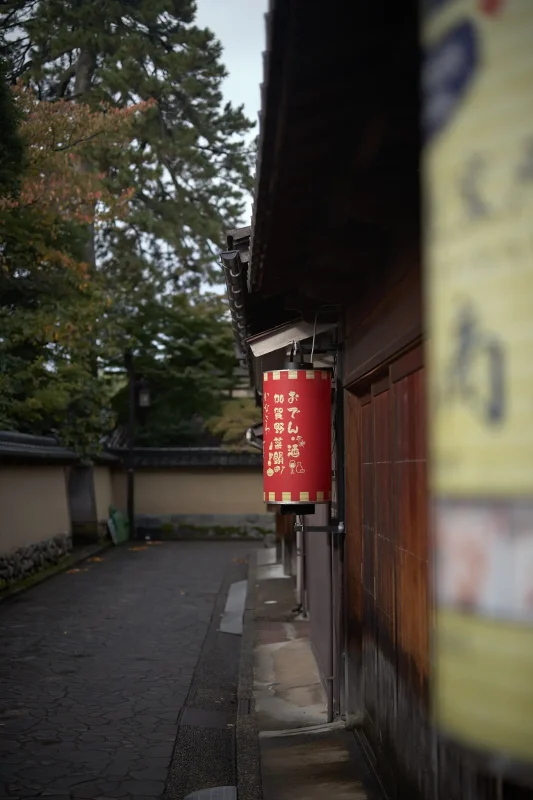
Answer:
[(335, 239)]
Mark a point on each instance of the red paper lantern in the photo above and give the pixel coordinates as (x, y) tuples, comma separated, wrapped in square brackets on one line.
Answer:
[(297, 436)]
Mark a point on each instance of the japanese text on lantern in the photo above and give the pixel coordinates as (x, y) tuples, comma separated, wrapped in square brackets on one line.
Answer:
[(286, 448)]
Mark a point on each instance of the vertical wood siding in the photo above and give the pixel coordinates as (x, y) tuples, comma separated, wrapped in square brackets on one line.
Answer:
[(391, 607)]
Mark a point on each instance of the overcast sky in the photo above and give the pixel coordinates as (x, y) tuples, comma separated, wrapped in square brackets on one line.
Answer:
[(240, 27)]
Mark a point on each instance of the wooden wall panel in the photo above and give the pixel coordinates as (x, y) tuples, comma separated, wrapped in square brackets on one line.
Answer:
[(353, 611), (385, 560), (410, 491), (394, 563), (413, 733), (378, 328), (369, 655)]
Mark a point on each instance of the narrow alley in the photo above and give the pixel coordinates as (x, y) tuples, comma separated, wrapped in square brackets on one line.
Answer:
[(266, 400), (97, 671)]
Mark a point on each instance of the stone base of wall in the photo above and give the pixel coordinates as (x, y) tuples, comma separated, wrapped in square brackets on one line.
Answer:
[(26, 561), (253, 527)]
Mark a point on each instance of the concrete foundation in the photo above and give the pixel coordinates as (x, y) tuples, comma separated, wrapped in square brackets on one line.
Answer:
[(254, 527), (302, 757)]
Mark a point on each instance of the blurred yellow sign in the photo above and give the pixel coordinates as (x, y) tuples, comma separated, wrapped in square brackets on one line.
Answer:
[(478, 175), (479, 181), (484, 689)]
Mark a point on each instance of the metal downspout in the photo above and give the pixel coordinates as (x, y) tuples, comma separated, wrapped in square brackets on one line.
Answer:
[(299, 563), (340, 537), (330, 676)]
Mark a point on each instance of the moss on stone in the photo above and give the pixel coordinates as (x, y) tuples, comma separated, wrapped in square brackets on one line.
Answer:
[(262, 531), (191, 530), (228, 530), (7, 589), (167, 527)]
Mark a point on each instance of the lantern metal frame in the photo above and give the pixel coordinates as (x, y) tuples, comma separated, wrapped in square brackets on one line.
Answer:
[(337, 526), (144, 399)]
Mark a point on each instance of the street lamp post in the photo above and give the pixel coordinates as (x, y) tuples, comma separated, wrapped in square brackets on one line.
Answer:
[(138, 393), (131, 444)]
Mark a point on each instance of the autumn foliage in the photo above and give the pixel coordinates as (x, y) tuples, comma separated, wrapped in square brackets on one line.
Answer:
[(61, 138), (53, 305), (161, 185)]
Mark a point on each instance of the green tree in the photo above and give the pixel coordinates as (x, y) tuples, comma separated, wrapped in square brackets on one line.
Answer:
[(11, 146), (51, 310), (186, 356), (235, 417), (47, 311), (190, 162)]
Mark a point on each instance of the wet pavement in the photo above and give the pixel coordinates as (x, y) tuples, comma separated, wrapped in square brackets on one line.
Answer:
[(96, 666)]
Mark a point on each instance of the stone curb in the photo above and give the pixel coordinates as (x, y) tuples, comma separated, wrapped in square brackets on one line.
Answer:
[(66, 563), (248, 759)]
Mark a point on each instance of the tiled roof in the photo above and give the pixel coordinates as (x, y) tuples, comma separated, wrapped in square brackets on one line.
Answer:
[(161, 457), (254, 435), (235, 262), (22, 447), (277, 20)]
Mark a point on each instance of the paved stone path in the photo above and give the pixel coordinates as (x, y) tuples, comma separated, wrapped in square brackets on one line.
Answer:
[(95, 666)]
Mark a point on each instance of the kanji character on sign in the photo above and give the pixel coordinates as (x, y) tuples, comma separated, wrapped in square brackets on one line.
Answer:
[(279, 427), (293, 451), (278, 413), (278, 458), (278, 443), (279, 398)]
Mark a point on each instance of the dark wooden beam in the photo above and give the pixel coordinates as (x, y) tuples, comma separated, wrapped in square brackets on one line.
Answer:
[(382, 201)]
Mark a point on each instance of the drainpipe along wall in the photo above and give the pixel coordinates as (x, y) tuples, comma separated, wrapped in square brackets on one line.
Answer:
[(300, 580), (338, 542)]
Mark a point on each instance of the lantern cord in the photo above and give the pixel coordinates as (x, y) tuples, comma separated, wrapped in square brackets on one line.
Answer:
[(314, 337), (295, 350), (319, 309)]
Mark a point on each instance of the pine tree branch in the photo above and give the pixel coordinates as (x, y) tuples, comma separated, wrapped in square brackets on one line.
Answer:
[(216, 151), (6, 20), (179, 187), (138, 237), (23, 65)]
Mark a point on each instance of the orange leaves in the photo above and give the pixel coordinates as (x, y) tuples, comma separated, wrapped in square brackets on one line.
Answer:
[(61, 138)]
